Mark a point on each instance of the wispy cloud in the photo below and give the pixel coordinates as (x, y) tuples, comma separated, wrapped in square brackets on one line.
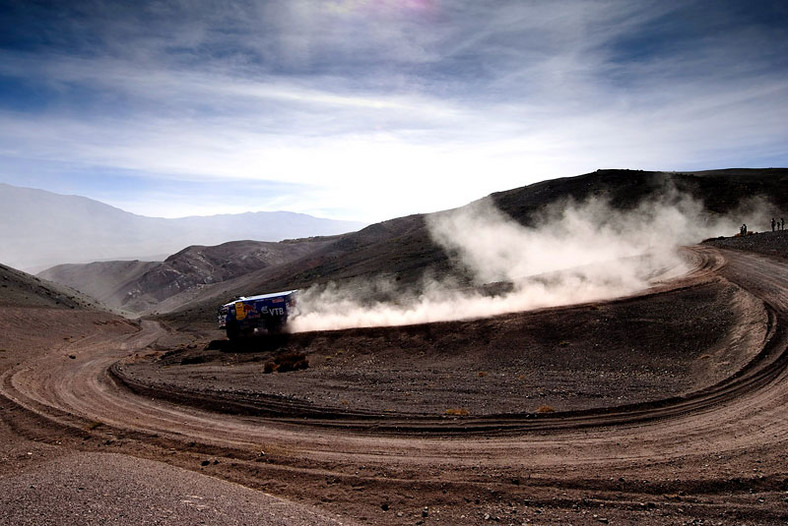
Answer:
[(417, 105)]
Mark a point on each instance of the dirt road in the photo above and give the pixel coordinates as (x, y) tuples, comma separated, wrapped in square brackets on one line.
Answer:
[(717, 455)]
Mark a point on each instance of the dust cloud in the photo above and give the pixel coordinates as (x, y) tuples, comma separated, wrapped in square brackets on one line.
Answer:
[(571, 253)]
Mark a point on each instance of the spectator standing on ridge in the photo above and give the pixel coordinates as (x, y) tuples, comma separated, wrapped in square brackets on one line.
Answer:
[(782, 223), (743, 230), (773, 224)]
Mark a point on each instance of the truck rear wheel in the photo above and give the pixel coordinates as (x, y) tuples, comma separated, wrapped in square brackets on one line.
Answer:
[(274, 326)]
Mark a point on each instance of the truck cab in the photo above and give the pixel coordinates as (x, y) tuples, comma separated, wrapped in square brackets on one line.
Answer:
[(246, 315)]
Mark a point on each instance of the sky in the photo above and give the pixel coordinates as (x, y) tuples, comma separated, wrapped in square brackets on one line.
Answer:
[(369, 110)]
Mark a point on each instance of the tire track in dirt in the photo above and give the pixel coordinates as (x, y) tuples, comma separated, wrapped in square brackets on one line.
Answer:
[(85, 389), (739, 419)]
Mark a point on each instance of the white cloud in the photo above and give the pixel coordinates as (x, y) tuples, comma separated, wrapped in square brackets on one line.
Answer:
[(378, 110)]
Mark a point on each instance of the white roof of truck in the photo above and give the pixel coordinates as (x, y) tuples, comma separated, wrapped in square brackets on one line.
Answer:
[(263, 296)]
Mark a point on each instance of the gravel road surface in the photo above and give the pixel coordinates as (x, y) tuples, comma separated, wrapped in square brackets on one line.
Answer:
[(108, 488)]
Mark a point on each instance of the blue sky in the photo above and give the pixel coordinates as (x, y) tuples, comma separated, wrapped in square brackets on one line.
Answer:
[(369, 110)]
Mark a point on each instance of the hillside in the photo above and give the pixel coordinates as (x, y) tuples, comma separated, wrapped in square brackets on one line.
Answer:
[(136, 286), (40, 229), (19, 289), (403, 250), (721, 191)]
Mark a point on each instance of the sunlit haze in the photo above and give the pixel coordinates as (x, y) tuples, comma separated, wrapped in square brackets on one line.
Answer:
[(369, 110)]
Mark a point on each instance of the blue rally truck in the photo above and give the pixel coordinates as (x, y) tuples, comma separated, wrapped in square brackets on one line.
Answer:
[(242, 317)]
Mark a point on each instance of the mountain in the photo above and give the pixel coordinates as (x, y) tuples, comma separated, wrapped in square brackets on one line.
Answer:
[(137, 286), (403, 247), (20, 289), (40, 229), (403, 250), (190, 285)]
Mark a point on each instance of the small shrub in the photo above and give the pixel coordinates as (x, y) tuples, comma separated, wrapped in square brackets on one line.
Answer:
[(482, 374), (545, 409), (269, 367), (457, 411), (288, 360)]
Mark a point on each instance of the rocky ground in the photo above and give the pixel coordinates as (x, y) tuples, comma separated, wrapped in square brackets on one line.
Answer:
[(769, 243), (567, 359), (667, 408)]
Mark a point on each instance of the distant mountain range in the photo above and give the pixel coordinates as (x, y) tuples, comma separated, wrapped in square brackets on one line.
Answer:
[(39, 229)]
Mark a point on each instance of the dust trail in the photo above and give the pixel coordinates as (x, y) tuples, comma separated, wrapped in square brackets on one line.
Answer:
[(573, 253)]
